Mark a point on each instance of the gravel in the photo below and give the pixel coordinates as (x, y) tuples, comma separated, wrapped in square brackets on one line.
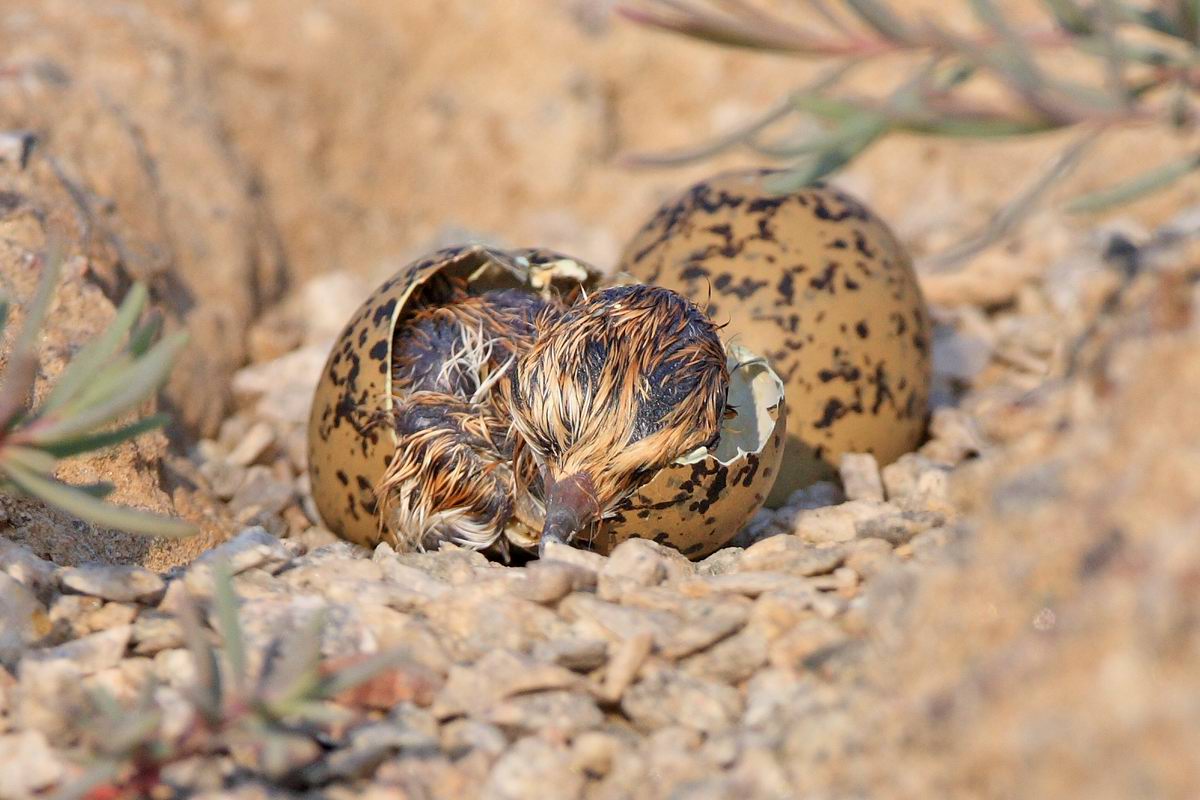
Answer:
[(108, 582), (628, 674), (746, 675)]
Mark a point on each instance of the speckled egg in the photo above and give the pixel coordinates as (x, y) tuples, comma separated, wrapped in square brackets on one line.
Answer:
[(700, 501), (816, 282), (348, 448)]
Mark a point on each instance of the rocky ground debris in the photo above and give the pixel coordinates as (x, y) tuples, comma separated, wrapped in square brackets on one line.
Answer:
[(593, 672), (832, 637)]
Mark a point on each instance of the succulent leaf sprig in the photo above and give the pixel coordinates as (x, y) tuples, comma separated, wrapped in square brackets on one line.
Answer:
[(1144, 59), (125, 750), (106, 380)]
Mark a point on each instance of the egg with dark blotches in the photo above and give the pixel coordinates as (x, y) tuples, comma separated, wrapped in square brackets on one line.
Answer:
[(387, 377), (817, 283)]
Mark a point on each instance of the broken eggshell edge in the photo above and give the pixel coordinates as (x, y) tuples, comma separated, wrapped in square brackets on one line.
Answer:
[(350, 442), (703, 499)]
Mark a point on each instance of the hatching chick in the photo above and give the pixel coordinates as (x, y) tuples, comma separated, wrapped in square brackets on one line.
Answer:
[(463, 344), (451, 477), (611, 391)]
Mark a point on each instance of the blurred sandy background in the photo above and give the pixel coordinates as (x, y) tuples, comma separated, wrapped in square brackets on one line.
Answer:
[(367, 131)]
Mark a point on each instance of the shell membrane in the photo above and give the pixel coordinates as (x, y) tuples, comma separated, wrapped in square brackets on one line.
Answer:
[(814, 281)]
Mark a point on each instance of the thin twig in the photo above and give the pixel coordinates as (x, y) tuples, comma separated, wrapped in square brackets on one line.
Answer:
[(1015, 211), (717, 146), (808, 44), (745, 133)]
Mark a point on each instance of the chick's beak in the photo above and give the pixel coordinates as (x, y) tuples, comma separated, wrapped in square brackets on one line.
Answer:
[(570, 507)]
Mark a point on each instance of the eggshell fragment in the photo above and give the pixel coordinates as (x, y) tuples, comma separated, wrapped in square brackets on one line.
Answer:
[(699, 502)]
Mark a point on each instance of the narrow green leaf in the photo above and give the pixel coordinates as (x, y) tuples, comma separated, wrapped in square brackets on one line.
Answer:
[(106, 704), (16, 384), (140, 382), (1020, 63), (1175, 18), (83, 505), (295, 677), (1114, 59), (1015, 211), (225, 606), (207, 693), (954, 76), (909, 96), (1155, 19), (1069, 16), (1141, 52), (144, 335), (131, 731), (319, 713), (28, 457), (1182, 112), (831, 109), (35, 313), (882, 20), (3, 315), (1010, 62), (855, 137), (98, 490), (99, 441), (748, 132), (809, 172), (1188, 21), (108, 382), (92, 358), (1092, 100), (810, 146), (835, 22), (113, 377), (726, 31), (1144, 184), (968, 127)]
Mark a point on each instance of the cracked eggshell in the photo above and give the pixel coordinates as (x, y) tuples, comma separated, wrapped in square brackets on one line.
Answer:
[(814, 281), (701, 501), (348, 447)]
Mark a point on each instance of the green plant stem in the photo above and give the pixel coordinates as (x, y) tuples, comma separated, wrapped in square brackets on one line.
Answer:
[(852, 47)]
